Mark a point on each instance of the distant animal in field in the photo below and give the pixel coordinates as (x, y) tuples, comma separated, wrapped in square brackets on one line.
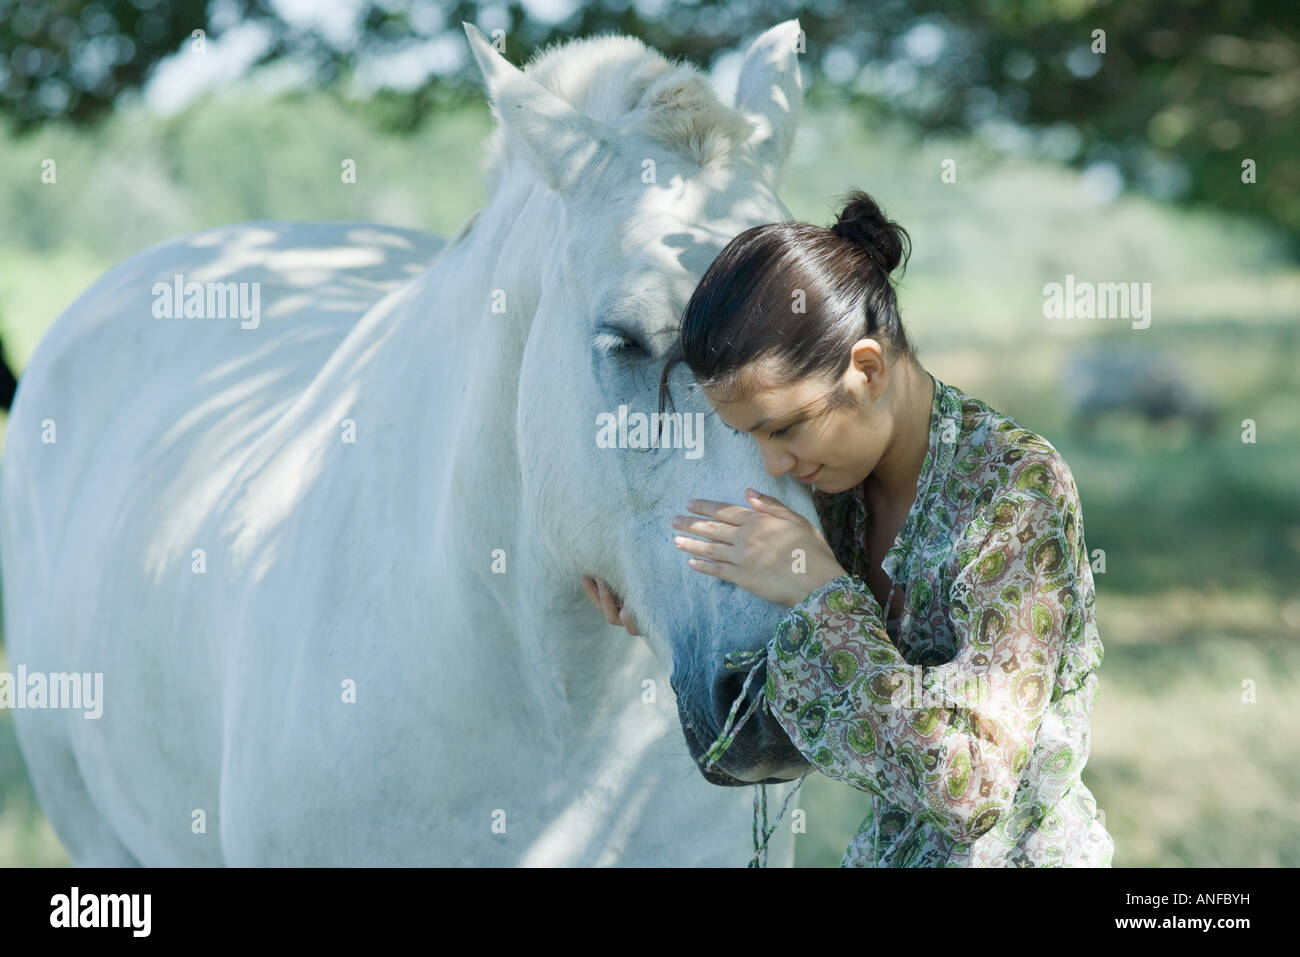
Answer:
[(1114, 385)]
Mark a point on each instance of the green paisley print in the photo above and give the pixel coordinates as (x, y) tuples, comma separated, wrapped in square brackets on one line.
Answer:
[(966, 721)]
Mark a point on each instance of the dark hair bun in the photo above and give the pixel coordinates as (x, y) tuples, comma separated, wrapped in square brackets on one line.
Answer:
[(863, 223)]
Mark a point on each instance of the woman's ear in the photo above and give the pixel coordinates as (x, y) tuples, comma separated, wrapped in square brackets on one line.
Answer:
[(867, 356)]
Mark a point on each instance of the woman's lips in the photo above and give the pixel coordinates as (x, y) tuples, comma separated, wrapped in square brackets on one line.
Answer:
[(810, 477)]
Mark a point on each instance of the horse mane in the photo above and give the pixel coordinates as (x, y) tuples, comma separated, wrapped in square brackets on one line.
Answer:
[(610, 76)]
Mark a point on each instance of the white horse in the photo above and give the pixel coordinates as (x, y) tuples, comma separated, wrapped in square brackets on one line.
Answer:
[(328, 558)]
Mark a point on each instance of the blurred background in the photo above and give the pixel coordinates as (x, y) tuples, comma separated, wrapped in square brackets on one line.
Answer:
[(1018, 142)]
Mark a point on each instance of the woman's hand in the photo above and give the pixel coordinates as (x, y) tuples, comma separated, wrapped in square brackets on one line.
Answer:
[(603, 597), (756, 548)]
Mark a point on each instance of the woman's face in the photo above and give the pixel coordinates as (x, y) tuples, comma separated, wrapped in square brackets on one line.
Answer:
[(834, 451)]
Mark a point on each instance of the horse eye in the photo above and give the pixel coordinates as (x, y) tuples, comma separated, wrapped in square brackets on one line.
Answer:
[(611, 341)]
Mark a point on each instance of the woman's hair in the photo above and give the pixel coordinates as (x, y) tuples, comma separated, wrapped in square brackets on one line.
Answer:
[(798, 294)]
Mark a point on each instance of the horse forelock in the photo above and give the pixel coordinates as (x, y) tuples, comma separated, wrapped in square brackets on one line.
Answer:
[(610, 76)]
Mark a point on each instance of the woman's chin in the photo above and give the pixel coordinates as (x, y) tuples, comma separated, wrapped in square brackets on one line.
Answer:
[(831, 484), (824, 484)]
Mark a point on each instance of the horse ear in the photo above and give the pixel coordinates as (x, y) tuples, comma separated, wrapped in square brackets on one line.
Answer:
[(564, 143), (770, 91)]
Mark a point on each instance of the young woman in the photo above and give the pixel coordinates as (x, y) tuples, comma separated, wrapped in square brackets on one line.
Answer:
[(964, 708)]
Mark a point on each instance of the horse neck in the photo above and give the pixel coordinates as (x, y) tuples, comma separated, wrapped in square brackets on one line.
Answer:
[(507, 250)]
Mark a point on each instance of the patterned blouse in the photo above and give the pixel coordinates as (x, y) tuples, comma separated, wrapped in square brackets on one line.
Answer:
[(966, 721)]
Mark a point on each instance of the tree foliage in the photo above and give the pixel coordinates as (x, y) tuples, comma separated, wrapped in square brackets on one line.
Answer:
[(1184, 98)]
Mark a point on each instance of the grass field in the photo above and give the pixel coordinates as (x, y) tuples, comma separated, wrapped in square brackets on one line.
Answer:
[(1202, 537)]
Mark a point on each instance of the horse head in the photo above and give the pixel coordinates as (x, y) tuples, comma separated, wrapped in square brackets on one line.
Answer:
[(649, 175)]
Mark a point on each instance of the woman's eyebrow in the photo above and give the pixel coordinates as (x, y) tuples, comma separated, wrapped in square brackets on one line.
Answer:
[(798, 415), (786, 422)]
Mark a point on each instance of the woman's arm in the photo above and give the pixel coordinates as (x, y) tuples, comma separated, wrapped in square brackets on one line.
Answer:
[(848, 699)]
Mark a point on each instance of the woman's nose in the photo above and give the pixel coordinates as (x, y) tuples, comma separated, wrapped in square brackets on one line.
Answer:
[(777, 462)]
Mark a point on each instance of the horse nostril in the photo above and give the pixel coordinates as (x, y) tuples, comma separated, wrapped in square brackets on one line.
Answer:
[(726, 689)]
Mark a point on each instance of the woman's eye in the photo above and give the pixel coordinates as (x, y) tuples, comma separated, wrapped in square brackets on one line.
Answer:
[(776, 435)]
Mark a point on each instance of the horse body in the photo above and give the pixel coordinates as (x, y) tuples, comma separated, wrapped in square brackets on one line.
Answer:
[(328, 564)]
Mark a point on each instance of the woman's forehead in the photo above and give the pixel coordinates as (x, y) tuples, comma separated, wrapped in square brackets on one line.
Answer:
[(770, 400)]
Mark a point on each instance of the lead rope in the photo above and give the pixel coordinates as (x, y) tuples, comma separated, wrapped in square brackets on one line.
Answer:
[(730, 728), (760, 850)]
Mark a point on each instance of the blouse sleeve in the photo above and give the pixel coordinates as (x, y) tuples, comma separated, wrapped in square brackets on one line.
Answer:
[(950, 746)]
